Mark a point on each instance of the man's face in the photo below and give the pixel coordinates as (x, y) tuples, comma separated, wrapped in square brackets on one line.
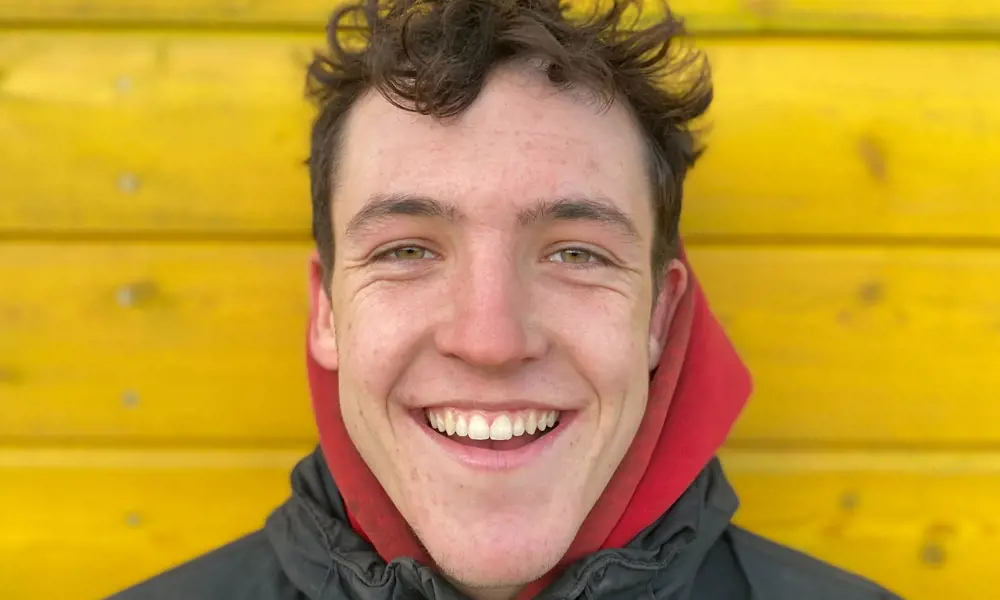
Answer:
[(492, 277)]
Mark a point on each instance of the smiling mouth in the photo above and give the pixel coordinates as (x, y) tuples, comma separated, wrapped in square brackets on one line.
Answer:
[(502, 431)]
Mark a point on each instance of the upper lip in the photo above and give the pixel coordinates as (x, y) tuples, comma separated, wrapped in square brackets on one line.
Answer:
[(494, 405)]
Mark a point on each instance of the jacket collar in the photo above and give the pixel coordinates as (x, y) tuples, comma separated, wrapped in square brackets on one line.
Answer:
[(322, 556)]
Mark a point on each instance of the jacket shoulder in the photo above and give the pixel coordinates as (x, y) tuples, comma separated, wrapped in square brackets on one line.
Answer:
[(778, 572), (245, 569)]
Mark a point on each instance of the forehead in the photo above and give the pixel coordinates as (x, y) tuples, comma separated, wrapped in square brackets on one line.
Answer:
[(520, 142)]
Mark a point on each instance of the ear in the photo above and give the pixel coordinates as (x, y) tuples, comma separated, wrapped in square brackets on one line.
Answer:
[(673, 286), (322, 329)]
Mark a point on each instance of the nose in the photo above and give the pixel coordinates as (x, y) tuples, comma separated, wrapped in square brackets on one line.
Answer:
[(490, 323)]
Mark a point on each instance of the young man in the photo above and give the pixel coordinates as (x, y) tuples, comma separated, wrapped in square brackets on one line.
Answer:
[(518, 384)]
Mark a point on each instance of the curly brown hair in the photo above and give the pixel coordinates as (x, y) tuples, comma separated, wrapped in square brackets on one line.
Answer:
[(433, 57)]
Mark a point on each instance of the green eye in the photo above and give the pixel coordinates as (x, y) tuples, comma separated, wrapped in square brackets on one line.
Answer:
[(409, 253), (574, 256)]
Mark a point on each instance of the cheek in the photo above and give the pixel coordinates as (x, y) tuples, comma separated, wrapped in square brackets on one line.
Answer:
[(377, 331), (603, 339)]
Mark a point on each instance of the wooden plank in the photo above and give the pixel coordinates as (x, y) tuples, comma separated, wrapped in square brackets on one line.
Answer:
[(149, 132), (84, 524), (164, 133), (919, 522), (819, 16), (922, 523), (926, 17), (204, 342), (862, 345), (154, 342), (295, 13), (850, 140)]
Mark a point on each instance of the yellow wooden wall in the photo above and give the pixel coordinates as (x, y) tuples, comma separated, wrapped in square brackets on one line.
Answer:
[(154, 233)]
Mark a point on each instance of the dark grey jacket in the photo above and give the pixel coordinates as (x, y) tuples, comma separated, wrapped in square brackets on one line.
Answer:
[(307, 550)]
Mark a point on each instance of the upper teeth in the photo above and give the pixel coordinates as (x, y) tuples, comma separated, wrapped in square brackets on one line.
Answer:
[(495, 426)]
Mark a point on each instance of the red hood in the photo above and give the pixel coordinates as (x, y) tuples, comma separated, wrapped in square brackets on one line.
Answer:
[(695, 396)]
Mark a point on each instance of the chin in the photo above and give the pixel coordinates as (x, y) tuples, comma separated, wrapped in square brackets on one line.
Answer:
[(509, 553), (513, 565)]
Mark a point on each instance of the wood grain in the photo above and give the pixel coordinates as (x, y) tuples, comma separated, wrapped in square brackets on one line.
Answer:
[(921, 523), (195, 343), (177, 134), (928, 17), (154, 342)]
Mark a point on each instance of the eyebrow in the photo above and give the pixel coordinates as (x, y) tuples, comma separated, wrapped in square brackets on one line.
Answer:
[(600, 211), (382, 206), (570, 208)]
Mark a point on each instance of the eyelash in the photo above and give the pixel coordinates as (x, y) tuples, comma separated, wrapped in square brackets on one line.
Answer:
[(599, 260), (386, 255)]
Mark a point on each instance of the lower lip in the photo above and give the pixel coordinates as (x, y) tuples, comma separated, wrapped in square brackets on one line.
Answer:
[(484, 459)]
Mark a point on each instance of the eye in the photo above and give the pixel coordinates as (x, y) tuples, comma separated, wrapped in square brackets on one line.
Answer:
[(578, 256), (405, 254)]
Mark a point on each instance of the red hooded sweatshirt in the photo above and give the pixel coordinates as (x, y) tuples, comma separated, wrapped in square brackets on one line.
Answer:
[(696, 393)]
